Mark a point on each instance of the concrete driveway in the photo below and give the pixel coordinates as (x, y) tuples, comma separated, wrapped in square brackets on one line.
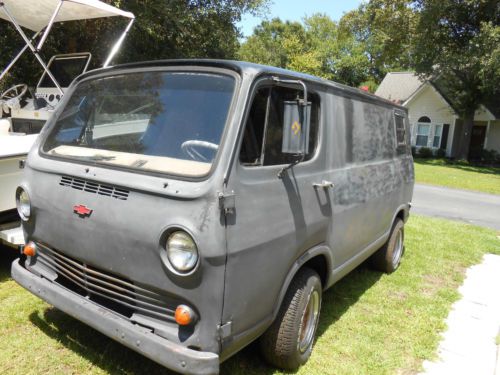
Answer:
[(471, 207)]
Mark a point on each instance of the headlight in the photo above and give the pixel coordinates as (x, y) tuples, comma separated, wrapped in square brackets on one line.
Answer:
[(181, 251), (23, 204)]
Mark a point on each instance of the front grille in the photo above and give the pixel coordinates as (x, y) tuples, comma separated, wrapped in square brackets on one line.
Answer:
[(116, 293), (94, 187)]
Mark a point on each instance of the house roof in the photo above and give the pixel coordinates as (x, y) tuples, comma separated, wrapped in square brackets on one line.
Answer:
[(399, 86)]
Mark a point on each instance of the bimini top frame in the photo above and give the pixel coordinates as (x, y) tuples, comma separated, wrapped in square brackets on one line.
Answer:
[(40, 15)]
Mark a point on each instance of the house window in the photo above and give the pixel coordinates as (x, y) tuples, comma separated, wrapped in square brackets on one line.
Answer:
[(422, 134), (263, 137), (438, 132), (424, 119)]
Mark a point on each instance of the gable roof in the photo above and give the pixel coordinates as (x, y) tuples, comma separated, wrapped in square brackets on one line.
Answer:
[(407, 85), (491, 103), (399, 86)]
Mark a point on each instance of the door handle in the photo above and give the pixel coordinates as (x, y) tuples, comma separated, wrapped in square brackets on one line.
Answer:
[(323, 184)]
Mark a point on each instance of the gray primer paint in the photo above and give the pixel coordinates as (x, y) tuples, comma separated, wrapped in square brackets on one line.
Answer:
[(249, 254)]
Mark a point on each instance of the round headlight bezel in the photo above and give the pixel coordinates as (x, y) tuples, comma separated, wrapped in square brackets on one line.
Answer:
[(23, 203), (174, 250)]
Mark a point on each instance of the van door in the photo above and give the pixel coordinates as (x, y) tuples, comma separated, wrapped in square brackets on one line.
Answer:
[(275, 219), (360, 160)]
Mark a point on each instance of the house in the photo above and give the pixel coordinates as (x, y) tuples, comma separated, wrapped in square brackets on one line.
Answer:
[(434, 117)]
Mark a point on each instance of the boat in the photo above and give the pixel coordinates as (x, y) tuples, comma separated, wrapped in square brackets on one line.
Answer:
[(24, 111)]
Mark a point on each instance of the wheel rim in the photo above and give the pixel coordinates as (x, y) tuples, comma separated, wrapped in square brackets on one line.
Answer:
[(398, 248), (309, 321)]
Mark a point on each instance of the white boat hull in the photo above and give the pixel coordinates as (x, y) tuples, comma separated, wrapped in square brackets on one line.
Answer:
[(10, 178), (13, 149)]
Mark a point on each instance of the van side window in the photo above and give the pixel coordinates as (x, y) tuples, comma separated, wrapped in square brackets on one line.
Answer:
[(263, 135), (400, 129), (251, 148)]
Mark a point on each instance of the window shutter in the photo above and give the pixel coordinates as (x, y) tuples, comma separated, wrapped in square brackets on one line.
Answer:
[(432, 131), (414, 134)]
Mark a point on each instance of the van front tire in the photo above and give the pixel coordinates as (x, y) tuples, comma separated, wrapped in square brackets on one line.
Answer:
[(388, 257), (288, 342)]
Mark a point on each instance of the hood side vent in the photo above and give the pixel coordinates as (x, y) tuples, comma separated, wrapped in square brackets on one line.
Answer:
[(94, 188)]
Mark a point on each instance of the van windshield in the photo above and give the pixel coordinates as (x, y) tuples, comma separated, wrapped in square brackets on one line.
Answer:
[(170, 122)]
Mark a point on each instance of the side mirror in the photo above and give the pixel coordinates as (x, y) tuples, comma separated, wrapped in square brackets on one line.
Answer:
[(296, 125)]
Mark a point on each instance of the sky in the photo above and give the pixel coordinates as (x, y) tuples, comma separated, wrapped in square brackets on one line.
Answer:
[(296, 10)]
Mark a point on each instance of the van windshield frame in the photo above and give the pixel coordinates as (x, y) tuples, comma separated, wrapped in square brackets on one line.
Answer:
[(207, 95)]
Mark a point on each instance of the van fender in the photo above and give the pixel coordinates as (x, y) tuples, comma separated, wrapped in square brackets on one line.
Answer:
[(406, 212), (319, 250)]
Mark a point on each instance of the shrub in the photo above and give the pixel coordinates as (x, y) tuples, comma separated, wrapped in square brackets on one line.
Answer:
[(490, 155), (425, 152), (440, 153), (413, 151)]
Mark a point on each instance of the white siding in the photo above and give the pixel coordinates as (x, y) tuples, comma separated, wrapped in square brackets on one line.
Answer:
[(493, 136), (428, 102), (482, 115)]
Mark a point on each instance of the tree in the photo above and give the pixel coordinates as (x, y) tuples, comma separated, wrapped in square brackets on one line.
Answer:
[(163, 30), (458, 42), (274, 43), (361, 48), (316, 47), (343, 58), (186, 28), (384, 29)]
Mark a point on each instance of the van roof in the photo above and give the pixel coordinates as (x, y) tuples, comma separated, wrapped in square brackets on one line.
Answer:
[(250, 69)]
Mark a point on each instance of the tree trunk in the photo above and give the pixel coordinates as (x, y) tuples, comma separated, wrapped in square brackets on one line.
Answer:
[(465, 136)]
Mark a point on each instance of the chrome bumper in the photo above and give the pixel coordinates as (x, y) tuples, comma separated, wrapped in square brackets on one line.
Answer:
[(142, 340)]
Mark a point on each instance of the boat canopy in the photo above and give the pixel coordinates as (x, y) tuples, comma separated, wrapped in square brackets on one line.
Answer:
[(40, 15), (37, 14)]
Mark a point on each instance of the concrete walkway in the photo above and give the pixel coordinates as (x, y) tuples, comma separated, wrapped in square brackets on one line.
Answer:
[(468, 346), (468, 206)]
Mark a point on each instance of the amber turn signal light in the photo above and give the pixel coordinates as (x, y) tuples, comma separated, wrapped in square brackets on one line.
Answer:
[(29, 249), (184, 315)]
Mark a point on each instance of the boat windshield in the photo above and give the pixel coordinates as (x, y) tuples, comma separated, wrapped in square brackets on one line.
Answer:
[(169, 122), (65, 70)]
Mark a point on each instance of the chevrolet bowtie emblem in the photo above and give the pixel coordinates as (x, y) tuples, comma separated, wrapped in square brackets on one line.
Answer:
[(82, 210)]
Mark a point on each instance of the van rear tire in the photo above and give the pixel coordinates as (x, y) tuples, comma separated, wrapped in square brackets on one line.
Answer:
[(288, 342), (388, 257)]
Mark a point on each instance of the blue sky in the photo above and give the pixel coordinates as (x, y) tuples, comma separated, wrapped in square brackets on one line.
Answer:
[(296, 10)]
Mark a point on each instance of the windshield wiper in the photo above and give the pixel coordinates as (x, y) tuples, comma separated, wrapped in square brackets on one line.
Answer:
[(101, 158), (94, 157)]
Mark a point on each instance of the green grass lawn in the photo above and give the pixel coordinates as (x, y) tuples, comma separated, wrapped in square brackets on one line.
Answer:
[(457, 175), (371, 323)]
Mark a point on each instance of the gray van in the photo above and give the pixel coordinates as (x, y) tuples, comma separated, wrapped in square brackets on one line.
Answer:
[(187, 208)]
